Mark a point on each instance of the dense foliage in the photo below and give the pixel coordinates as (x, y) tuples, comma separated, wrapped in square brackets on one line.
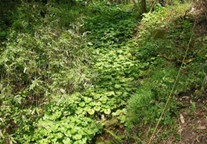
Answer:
[(73, 70)]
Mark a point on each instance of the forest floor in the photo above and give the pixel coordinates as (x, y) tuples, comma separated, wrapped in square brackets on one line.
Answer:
[(192, 121), (124, 72), (193, 125)]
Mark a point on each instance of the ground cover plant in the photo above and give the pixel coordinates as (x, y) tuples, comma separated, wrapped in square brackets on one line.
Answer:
[(168, 52), (98, 72)]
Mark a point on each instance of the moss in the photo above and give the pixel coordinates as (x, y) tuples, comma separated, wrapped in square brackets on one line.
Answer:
[(159, 33)]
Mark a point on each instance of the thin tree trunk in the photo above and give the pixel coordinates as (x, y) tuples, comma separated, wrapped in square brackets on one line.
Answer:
[(144, 6), (136, 5)]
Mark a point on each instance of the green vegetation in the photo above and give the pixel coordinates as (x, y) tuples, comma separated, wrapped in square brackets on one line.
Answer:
[(74, 71)]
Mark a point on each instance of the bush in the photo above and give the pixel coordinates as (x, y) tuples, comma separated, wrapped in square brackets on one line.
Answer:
[(32, 69)]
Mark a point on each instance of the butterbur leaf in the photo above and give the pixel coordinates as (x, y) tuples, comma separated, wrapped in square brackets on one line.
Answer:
[(92, 103), (87, 100), (79, 111), (97, 108), (73, 131), (62, 128), (98, 103), (122, 118), (84, 123), (84, 140), (118, 93), (104, 99), (97, 96), (111, 93), (67, 141), (59, 135), (117, 86), (80, 132), (68, 134), (78, 142), (107, 111), (91, 111), (82, 104), (77, 137)]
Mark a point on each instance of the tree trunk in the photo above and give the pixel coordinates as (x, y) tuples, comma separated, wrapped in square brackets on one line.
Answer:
[(144, 6)]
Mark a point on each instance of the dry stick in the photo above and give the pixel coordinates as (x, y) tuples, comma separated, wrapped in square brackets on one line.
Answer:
[(152, 7), (176, 79)]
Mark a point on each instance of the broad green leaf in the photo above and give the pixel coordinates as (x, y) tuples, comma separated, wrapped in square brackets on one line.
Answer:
[(67, 141), (91, 111), (82, 104), (77, 137), (107, 111), (97, 108), (117, 86)]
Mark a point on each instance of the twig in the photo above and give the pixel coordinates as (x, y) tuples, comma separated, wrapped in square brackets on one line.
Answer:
[(170, 95), (153, 5)]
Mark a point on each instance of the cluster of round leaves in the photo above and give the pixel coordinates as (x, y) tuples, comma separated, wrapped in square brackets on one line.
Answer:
[(67, 130), (71, 122), (55, 62), (111, 26), (113, 62), (61, 125), (89, 103), (116, 62)]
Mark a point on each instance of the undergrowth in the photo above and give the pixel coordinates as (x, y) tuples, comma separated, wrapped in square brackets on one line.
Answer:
[(38, 65), (70, 73), (165, 56)]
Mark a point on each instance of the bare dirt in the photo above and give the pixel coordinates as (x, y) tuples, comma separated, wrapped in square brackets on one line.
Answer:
[(193, 121), (193, 118)]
